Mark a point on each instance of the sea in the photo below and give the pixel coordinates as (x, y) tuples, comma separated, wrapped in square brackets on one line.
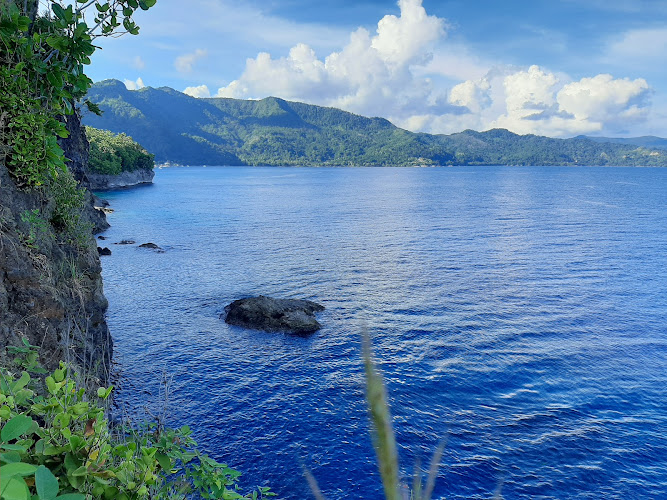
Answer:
[(518, 316)]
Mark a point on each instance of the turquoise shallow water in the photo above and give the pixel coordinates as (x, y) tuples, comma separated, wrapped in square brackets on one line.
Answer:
[(520, 313)]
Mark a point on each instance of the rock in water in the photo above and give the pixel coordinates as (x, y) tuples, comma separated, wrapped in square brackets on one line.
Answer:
[(152, 246), (274, 315)]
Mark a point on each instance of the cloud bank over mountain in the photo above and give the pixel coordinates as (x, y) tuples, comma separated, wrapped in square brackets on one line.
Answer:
[(397, 72)]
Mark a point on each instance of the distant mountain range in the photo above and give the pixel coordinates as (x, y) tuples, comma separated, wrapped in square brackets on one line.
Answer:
[(181, 129)]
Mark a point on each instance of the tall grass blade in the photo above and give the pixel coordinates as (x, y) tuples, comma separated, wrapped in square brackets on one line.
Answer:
[(383, 432), (312, 482), (417, 481), (433, 470)]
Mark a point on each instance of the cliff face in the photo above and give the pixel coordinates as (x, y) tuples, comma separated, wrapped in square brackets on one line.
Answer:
[(101, 182), (51, 293)]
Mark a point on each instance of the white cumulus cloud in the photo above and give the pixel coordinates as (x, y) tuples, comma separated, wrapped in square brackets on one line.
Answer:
[(603, 98), (372, 74), (134, 85), (200, 91), (407, 72), (186, 62), (537, 101)]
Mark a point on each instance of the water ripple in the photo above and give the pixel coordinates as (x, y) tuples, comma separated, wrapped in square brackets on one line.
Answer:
[(519, 313)]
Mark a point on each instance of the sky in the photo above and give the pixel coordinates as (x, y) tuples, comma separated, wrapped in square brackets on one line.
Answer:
[(558, 68)]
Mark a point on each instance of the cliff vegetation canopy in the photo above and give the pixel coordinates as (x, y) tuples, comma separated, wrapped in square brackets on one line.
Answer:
[(112, 154)]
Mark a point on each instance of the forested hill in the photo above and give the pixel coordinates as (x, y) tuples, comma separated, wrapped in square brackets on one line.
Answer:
[(181, 129), (646, 141)]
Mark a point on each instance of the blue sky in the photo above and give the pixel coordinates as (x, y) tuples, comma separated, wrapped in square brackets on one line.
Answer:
[(557, 68)]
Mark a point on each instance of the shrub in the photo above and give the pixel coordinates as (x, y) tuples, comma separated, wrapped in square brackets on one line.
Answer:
[(56, 444)]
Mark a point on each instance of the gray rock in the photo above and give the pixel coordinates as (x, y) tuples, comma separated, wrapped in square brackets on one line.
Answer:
[(125, 242), (274, 315)]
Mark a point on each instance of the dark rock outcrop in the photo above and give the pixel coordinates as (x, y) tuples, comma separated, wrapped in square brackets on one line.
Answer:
[(103, 251), (151, 246), (76, 149), (51, 292), (274, 315)]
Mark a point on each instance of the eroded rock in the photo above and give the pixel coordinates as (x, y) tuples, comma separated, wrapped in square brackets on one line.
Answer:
[(274, 315)]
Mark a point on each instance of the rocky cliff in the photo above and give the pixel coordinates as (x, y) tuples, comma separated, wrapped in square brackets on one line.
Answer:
[(101, 182), (51, 292)]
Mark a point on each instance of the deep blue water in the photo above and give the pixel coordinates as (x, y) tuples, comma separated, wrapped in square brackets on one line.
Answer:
[(520, 313)]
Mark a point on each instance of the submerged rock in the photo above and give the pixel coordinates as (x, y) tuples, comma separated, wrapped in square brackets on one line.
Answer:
[(274, 315), (125, 242)]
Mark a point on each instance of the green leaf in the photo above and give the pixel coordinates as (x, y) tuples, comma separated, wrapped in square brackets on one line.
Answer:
[(80, 472), (51, 385), (50, 450), (164, 461), (13, 447), (16, 427), (10, 457), (58, 11), (21, 383), (14, 489), (46, 484), (71, 496), (16, 469)]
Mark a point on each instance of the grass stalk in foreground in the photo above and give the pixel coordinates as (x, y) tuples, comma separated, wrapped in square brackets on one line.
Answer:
[(384, 440)]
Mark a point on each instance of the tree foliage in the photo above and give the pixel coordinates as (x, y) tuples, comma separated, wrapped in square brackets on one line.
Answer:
[(44, 47), (112, 154)]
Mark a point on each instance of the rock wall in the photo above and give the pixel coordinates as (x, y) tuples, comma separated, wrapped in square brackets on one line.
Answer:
[(51, 293), (99, 182)]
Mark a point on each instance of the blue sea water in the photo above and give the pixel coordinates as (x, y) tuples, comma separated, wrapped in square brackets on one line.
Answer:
[(518, 313)]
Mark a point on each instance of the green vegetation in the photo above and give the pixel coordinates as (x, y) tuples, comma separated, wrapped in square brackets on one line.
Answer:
[(181, 129), (42, 59), (56, 444), (112, 154)]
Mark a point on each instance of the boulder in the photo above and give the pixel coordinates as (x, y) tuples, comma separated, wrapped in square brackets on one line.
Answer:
[(103, 251), (274, 315)]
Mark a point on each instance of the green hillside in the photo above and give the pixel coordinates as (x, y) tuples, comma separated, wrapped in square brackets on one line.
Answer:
[(646, 141), (218, 131)]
